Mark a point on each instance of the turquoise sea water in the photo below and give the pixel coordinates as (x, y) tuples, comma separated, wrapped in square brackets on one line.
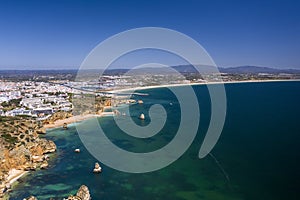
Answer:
[(259, 150)]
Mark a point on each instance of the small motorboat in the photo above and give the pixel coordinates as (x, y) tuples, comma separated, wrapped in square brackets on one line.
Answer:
[(77, 150)]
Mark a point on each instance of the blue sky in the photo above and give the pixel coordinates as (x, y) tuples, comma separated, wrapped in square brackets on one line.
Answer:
[(55, 34)]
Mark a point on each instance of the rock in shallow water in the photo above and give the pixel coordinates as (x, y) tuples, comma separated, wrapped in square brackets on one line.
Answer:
[(82, 194), (44, 165), (31, 198), (97, 168)]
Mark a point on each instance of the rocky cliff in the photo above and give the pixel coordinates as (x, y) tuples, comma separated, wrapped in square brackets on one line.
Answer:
[(82, 194), (57, 116), (21, 148)]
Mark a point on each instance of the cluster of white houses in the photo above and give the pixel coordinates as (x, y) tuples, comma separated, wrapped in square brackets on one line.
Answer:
[(39, 107), (37, 99), (42, 99)]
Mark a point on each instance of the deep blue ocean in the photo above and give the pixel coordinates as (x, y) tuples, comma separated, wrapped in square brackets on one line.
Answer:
[(257, 156)]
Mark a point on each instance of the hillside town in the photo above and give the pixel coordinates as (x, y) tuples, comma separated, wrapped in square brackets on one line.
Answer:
[(40, 95), (35, 99)]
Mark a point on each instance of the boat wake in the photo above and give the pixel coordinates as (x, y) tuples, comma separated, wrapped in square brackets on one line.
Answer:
[(221, 168)]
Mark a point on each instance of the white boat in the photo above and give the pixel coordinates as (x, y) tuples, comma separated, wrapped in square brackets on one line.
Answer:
[(77, 150)]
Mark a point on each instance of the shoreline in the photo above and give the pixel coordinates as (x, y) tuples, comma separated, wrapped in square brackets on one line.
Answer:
[(80, 118), (202, 83), (71, 120), (11, 180), (15, 174)]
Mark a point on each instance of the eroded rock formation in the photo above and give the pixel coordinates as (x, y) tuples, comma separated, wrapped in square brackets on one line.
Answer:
[(21, 148), (82, 194)]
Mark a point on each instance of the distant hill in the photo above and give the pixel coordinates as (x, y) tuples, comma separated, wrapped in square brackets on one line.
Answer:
[(256, 70), (237, 70), (37, 75), (42, 75)]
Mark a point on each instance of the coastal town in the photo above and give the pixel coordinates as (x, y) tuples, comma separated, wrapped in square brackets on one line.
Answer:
[(35, 99), (40, 95), (29, 104)]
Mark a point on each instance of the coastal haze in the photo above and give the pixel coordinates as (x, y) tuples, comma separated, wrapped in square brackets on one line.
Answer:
[(154, 100)]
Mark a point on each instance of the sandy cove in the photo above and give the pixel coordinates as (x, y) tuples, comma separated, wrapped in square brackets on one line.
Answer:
[(14, 175), (70, 120)]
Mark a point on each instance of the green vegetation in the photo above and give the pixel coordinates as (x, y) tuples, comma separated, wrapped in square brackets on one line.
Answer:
[(6, 119), (10, 139), (10, 105), (54, 93)]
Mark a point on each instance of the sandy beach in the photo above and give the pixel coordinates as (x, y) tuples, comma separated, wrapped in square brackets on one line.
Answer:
[(14, 175), (70, 120), (79, 118), (202, 83)]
